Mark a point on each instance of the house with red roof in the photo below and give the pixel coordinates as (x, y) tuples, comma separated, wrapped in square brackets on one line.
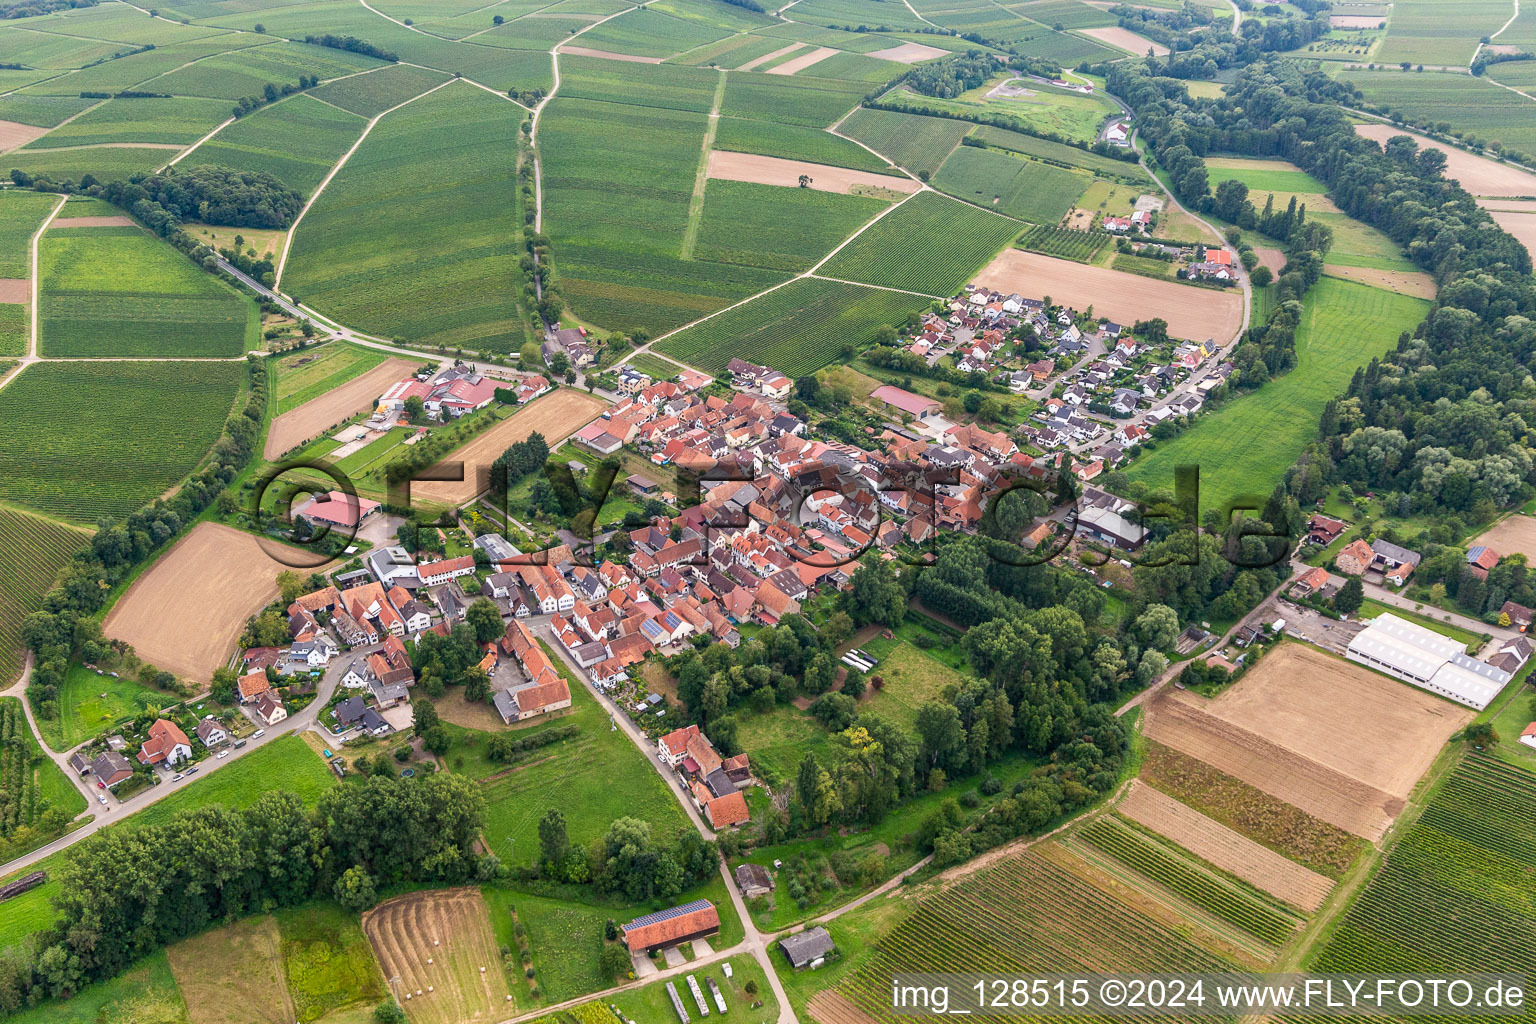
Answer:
[(167, 745)]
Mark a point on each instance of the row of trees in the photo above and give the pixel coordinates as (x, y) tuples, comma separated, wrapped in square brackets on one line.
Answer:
[(629, 861), (128, 891)]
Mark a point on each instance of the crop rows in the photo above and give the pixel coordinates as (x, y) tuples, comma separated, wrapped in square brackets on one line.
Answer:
[(796, 329), (371, 94), (1025, 915), (34, 550), (1027, 189), (1069, 244), (20, 215), (440, 173), (795, 142), (793, 99), (931, 244), (915, 142), (775, 228), (1454, 895), (84, 440), (298, 140), (1187, 879)]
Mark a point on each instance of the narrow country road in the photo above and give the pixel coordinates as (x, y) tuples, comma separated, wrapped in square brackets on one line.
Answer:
[(297, 723)]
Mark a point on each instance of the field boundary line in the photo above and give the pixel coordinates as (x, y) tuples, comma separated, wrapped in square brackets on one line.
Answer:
[(293, 228), (701, 176), (36, 284), (177, 158), (1494, 35), (867, 225), (498, 3), (877, 287)]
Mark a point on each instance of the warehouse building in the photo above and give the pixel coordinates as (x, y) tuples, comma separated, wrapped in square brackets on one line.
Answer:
[(1427, 660)]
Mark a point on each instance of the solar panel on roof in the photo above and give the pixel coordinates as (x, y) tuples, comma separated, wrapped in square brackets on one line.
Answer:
[(669, 913)]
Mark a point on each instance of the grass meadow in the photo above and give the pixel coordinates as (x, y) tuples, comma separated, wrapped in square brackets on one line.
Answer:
[(1245, 446), (797, 329), (89, 703), (120, 291), (440, 172), (84, 440), (298, 140), (930, 244)]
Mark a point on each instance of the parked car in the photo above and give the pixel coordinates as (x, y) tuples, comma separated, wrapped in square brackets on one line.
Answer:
[(239, 744), (192, 770), (176, 777), (102, 797), (101, 785), (258, 734), (223, 754)]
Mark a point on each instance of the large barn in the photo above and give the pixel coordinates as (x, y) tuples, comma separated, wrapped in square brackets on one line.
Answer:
[(1427, 660)]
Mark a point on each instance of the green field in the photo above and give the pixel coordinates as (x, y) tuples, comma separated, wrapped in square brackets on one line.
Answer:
[(21, 213), (1065, 13), (792, 99), (311, 373), (1465, 859), (1470, 105), (650, 33), (371, 94), (84, 440), (121, 291), (618, 181), (89, 704), (930, 244), (229, 76), (795, 142), (915, 142), (796, 329), (1245, 446), (107, 163), (1023, 36), (912, 677), (36, 549), (777, 228), (298, 141), (440, 172), (174, 120), (1042, 110), (1427, 32), (42, 111), (594, 778), (1261, 179), (1027, 189), (128, 72), (327, 961)]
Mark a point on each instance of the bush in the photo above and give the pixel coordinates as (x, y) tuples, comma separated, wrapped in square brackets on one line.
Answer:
[(389, 1013)]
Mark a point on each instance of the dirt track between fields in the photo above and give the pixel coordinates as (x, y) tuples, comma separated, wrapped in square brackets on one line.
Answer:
[(772, 170), (556, 416), (1338, 741), (1212, 841), (186, 612), (318, 415), (1191, 312)]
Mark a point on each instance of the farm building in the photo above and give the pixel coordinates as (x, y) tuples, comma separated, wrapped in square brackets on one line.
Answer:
[(906, 401), (808, 948), (111, 768), (1427, 660), (672, 926), (337, 508), (753, 880)]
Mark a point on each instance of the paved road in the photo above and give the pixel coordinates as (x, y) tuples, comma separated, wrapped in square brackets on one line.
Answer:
[(296, 723)]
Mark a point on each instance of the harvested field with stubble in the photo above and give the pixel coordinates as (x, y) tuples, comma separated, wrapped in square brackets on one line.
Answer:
[(1231, 851), (216, 577), (1191, 313), (1478, 175), (313, 417), (556, 416), (452, 928), (234, 975), (1334, 739)]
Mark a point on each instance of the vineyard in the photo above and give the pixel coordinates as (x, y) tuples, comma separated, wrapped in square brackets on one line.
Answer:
[(796, 329), (90, 439), (930, 244), (1186, 878), (1025, 914), (1053, 240), (35, 550), (1455, 893)]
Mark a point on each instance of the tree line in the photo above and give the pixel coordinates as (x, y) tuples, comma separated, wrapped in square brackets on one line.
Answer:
[(128, 891), (352, 44)]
